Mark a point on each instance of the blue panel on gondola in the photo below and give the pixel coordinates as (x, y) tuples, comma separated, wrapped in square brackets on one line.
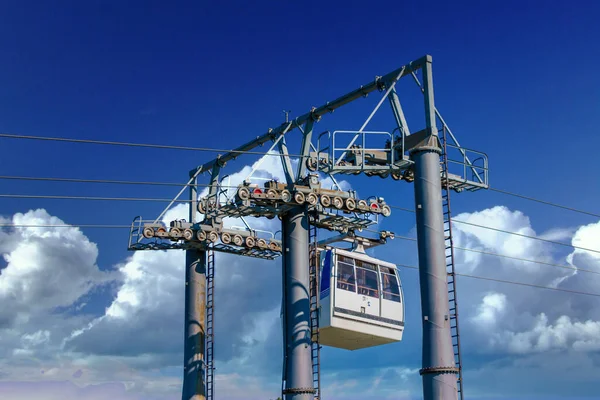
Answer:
[(326, 275)]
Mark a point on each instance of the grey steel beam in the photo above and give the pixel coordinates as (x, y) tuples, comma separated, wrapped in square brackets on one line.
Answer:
[(438, 372), (298, 362), (398, 113), (285, 162), (318, 112), (214, 181), (305, 149), (430, 122), (194, 387)]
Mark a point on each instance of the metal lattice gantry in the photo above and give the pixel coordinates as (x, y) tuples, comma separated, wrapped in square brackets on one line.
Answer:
[(432, 163)]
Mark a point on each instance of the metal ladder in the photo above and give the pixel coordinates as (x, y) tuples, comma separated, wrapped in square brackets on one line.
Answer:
[(314, 307), (453, 306), (210, 332)]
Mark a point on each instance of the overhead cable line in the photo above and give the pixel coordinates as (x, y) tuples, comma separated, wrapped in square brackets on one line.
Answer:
[(107, 181), (544, 202), (527, 236), (99, 198), (43, 196), (65, 226), (206, 149), (489, 253), (147, 145), (514, 282), (111, 181), (509, 232), (400, 265)]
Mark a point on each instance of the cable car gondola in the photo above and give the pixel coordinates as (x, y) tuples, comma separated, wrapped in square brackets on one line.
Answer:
[(361, 298)]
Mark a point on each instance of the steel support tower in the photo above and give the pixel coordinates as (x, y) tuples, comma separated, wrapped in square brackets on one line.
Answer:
[(298, 373), (411, 156), (194, 387), (194, 352), (439, 381)]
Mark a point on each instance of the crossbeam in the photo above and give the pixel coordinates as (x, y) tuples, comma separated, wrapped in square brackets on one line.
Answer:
[(317, 112)]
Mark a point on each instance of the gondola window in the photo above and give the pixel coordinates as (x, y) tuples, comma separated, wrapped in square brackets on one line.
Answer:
[(391, 290), (367, 282), (346, 279)]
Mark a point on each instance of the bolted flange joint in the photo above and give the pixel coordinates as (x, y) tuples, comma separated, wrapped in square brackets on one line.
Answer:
[(428, 143), (299, 390), (437, 370)]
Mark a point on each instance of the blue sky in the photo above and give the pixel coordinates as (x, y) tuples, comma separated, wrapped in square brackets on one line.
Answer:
[(516, 80)]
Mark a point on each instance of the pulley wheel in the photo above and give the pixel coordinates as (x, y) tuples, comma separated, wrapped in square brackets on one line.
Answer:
[(262, 243), (299, 197), (350, 204), (338, 202), (250, 241), (243, 193), (201, 208), (226, 238), (238, 240), (212, 204), (286, 196), (271, 194), (201, 235), (188, 234), (325, 200), (148, 233), (174, 233), (362, 205), (312, 199), (213, 237), (386, 210)]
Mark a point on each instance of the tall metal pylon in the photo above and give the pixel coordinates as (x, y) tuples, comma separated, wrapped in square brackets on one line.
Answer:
[(195, 335), (194, 387), (438, 371), (298, 376), (413, 156)]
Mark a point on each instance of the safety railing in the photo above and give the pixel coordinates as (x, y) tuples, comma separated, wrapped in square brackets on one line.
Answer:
[(339, 154), (469, 166)]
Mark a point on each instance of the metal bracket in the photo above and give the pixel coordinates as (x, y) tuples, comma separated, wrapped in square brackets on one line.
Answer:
[(359, 243)]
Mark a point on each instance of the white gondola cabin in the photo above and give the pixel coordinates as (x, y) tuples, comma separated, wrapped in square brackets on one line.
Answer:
[(361, 298)]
